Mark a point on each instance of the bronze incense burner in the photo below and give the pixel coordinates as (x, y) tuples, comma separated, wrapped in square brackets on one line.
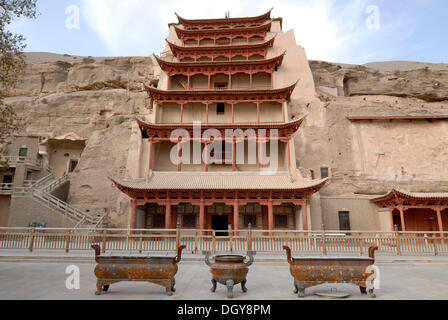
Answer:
[(229, 270), (157, 269), (312, 271)]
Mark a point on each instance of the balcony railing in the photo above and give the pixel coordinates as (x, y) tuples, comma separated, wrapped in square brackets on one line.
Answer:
[(13, 161), (6, 188), (233, 88)]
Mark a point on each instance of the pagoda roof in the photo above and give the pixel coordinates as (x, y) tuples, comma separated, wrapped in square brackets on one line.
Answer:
[(174, 67), (209, 49), (224, 21), (201, 95), (183, 33), (398, 196), (169, 181), (163, 131)]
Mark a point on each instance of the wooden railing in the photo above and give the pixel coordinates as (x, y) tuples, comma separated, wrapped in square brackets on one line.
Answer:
[(196, 241)]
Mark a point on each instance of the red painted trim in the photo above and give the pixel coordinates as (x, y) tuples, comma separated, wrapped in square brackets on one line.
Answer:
[(427, 117), (201, 95)]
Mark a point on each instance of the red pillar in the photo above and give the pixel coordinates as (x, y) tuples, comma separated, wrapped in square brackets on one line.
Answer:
[(270, 216), (202, 216), (206, 159), (236, 217), (133, 214), (234, 154), (284, 111), (289, 156), (156, 107), (258, 112), (151, 144), (439, 219), (260, 155), (251, 81), (168, 216), (182, 113), (392, 219), (305, 215), (403, 224), (233, 113), (179, 157)]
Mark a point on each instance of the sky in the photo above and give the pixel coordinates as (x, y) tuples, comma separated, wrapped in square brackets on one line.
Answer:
[(344, 31)]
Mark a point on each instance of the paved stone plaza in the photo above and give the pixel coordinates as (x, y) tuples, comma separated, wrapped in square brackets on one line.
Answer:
[(402, 279)]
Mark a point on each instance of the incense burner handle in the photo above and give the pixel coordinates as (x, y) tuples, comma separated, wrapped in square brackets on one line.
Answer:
[(97, 249), (288, 254), (179, 254), (207, 255), (372, 251), (251, 255)]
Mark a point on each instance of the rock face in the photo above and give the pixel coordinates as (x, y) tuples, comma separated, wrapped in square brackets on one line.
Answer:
[(425, 84), (371, 157), (99, 98)]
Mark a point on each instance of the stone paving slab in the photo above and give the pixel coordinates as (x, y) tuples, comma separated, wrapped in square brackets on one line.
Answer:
[(266, 281)]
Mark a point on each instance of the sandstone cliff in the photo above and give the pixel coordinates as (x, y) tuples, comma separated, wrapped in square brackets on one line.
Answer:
[(371, 157), (99, 98)]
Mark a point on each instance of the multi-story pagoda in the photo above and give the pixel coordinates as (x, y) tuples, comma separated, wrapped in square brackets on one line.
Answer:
[(220, 108)]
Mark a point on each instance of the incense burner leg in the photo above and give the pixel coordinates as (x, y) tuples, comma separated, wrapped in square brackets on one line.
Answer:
[(230, 284), (215, 284), (169, 291), (106, 288), (173, 285), (243, 285), (296, 287), (99, 287), (372, 294), (363, 290), (300, 289)]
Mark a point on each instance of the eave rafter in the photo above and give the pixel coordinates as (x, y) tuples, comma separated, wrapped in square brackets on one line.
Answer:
[(226, 22), (193, 196), (181, 52), (164, 131), (261, 31), (192, 68), (399, 199), (211, 96)]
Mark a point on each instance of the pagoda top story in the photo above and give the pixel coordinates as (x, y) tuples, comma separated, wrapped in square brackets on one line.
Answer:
[(201, 24)]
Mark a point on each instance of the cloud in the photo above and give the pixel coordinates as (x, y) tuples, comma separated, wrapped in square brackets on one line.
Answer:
[(327, 29)]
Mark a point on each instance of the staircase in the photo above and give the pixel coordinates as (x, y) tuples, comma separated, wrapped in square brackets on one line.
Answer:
[(41, 191)]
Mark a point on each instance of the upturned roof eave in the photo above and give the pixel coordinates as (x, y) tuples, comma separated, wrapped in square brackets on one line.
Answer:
[(149, 125), (126, 186), (223, 20), (228, 92), (267, 43), (180, 31), (163, 63)]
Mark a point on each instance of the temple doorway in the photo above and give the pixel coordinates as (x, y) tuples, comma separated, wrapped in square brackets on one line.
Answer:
[(220, 223)]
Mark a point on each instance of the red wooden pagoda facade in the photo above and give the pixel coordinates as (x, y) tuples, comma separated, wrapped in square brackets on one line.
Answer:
[(218, 72)]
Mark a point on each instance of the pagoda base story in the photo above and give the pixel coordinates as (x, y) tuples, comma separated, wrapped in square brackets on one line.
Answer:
[(220, 215)]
